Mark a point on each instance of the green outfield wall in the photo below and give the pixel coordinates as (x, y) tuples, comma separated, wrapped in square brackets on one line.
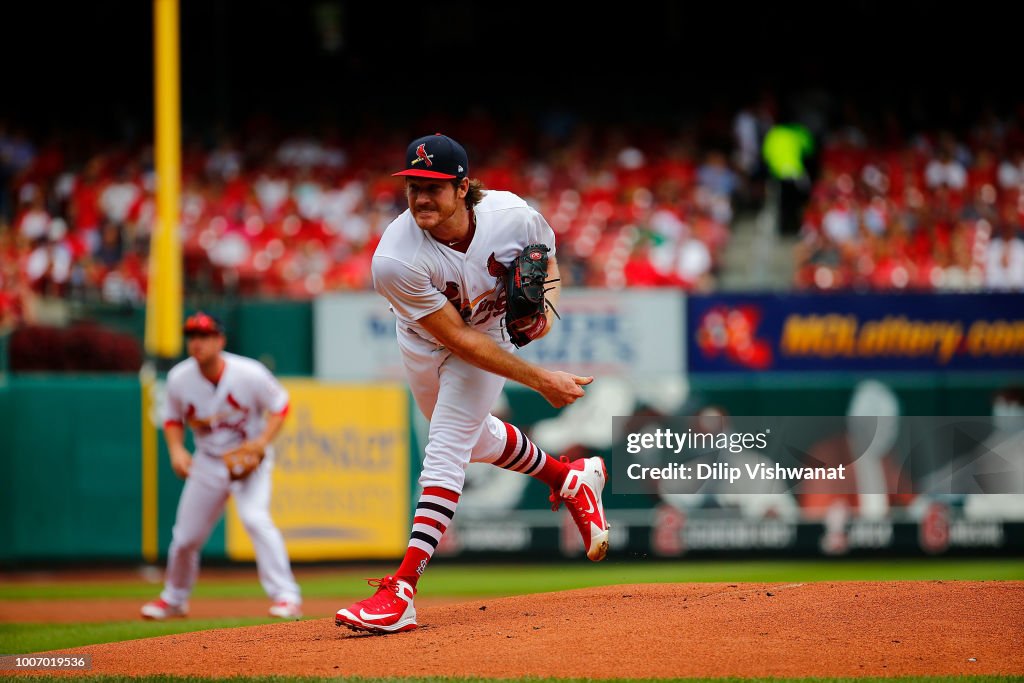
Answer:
[(70, 467), (70, 457), (72, 475)]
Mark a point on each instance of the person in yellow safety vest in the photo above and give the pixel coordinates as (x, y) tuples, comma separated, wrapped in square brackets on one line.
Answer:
[(786, 149)]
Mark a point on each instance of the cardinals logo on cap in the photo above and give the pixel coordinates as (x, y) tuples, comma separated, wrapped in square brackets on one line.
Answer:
[(202, 323), (421, 155)]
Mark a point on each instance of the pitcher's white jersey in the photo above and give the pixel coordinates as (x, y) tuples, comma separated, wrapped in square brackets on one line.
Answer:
[(225, 415), (418, 275)]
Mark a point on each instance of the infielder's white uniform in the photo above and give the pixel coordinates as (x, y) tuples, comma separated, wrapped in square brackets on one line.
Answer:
[(418, 275), (222, 417)]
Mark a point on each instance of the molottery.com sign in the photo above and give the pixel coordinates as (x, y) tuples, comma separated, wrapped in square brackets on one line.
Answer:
[(856, 332)]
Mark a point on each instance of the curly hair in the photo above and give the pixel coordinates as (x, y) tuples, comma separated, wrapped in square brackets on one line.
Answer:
[(476, 192)]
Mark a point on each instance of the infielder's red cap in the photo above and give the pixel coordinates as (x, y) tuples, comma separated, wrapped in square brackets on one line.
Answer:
[(202, 323), (435, 156)]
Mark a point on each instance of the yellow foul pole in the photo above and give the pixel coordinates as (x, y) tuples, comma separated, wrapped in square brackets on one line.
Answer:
[(164, 296), (163, 303), (150, 461)]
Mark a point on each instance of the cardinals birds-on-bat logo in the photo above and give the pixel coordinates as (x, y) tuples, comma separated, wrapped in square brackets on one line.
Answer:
[(494, 268), (421, 155), (198, 424), (233, 418), (451, 292), (485, 306)]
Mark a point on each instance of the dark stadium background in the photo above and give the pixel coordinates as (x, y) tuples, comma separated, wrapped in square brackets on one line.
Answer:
[(397, 62)]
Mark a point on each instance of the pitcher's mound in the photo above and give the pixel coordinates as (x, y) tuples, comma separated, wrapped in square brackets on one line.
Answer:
[(633, 631)]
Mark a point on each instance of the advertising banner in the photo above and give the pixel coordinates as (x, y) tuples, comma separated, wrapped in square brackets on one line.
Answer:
[(354, 338), (636, 334), (341, 475), (867, 332), (709, 486)]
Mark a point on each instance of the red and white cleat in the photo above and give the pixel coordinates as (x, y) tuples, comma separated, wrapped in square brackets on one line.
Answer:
[(581, 493), (389, 610), (160, 609), (286, 609)]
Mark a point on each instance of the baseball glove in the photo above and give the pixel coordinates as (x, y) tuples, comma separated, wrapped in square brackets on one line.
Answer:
[(242, 461), (525, 306)]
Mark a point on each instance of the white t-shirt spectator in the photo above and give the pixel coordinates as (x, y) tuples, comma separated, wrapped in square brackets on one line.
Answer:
[(950, 173), (1011, 174), (1004, 267), (117, 200), (272, 193), (694, 260), (34, 224), (840, 224)]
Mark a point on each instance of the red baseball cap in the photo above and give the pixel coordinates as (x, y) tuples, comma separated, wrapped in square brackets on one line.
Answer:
[(435, 156), (202, 323)]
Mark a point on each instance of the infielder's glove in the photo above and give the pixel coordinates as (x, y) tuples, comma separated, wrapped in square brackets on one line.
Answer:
[(525, 306), (242, 461)]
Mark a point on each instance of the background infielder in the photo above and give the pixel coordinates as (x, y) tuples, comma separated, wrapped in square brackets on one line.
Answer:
[(223, 398), (441, 266)]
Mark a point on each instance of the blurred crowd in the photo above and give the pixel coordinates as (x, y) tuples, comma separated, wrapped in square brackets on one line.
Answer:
[(266, 213), (274, 213), (935, 212)]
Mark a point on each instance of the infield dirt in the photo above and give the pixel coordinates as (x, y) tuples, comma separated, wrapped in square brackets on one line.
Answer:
[(645, 630)]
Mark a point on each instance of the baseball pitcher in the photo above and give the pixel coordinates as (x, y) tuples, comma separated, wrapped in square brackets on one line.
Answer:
[(470, 275)]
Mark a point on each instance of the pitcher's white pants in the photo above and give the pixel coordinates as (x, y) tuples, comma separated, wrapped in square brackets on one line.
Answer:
[(456, 398), (200, 506)]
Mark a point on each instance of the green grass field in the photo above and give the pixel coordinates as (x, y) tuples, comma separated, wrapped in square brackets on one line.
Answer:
[(452, 580), (497, 580), (25, 638)]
